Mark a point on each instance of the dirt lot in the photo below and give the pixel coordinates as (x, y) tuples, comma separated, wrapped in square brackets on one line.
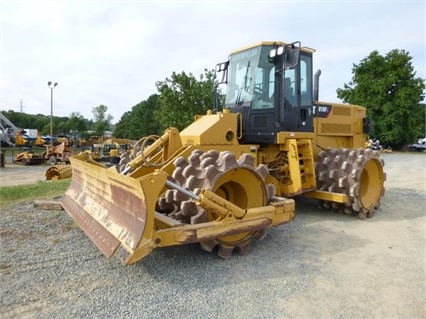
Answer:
[(14, 174), (322, 265)]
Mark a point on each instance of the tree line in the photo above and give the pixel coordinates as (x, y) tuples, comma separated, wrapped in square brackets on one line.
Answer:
[(388, 88), (64, 125), (179, 99), (386, 85)]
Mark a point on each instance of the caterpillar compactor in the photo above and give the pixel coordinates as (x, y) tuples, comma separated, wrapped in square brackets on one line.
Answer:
[(230, 175)]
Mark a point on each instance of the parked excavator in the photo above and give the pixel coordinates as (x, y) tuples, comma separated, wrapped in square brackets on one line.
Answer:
[(230, 175)]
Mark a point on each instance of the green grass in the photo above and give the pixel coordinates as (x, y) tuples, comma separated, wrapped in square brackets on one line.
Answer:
[(41, 190), (8, 151)]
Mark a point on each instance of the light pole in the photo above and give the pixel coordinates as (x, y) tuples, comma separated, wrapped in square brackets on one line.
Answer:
[(49, 84)]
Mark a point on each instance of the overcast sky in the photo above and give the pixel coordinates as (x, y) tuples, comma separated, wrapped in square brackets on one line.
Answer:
[(113, 52)]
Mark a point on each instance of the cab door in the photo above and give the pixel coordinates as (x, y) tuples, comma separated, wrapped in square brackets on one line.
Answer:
[(295, 106)]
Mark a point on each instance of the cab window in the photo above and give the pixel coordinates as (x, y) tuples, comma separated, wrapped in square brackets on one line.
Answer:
[(306, 80)]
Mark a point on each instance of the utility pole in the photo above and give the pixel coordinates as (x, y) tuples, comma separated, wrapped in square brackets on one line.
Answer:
[(49, 84)]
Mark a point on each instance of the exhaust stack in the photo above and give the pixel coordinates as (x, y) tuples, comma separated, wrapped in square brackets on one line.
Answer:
[(316, 84)]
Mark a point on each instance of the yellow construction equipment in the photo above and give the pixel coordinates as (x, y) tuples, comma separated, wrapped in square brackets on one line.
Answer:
[(230, 175), (58, 172), (109, 150), (39, 140), (112, 148), (57, 153), (28, 157), (21, 139)]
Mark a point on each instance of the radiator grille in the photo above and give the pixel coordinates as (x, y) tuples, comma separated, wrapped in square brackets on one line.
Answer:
[(335, 128), (343, 111)]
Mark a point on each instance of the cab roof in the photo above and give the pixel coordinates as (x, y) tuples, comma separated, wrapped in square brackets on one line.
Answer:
[(278, 43)]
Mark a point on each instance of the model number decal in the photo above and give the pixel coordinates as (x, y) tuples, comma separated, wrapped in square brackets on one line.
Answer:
[(322, 110)]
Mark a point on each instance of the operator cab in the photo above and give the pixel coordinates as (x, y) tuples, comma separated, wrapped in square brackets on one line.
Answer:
[(270, 84)]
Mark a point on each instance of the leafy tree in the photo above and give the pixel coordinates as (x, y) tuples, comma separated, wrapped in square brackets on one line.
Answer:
[(39, 123), (61, 128), (180, 99), (19, 119), (102, 120), (77, 122), (387, 87), (140, 121), (45, 129), (182, 96), (122, 128)]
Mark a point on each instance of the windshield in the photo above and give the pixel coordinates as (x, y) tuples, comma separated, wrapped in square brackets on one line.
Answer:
[(251, 78)]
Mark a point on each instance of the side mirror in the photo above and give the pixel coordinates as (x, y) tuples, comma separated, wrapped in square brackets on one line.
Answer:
[(220, 67), (291, 54), (291, 57)]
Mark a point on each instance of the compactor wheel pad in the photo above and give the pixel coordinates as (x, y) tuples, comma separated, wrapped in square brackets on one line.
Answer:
[(58, 172), (235, 180), (356, 173)]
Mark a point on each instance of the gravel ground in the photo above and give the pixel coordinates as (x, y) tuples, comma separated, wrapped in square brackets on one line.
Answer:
[(322, 265), (15, 174)]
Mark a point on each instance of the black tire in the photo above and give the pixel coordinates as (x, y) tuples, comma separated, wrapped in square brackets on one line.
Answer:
[(114, 160), (53, 160)]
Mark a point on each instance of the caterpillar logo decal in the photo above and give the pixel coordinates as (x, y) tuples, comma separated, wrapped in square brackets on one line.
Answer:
[(322, 110)]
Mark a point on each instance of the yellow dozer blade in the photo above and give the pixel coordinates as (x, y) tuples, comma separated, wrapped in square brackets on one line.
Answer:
[(118, 211), (112, 209)]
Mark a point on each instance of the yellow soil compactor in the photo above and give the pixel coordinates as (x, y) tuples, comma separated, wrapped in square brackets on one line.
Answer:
[(230, 175)]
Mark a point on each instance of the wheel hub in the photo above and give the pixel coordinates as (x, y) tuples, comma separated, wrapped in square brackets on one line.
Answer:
[(236, 181)]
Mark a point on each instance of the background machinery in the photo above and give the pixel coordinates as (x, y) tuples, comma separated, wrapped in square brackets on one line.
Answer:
[(230, 175), (59, 171), (57, 153), (10, 134), (28, 157), (420, 146), (111, 149)]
